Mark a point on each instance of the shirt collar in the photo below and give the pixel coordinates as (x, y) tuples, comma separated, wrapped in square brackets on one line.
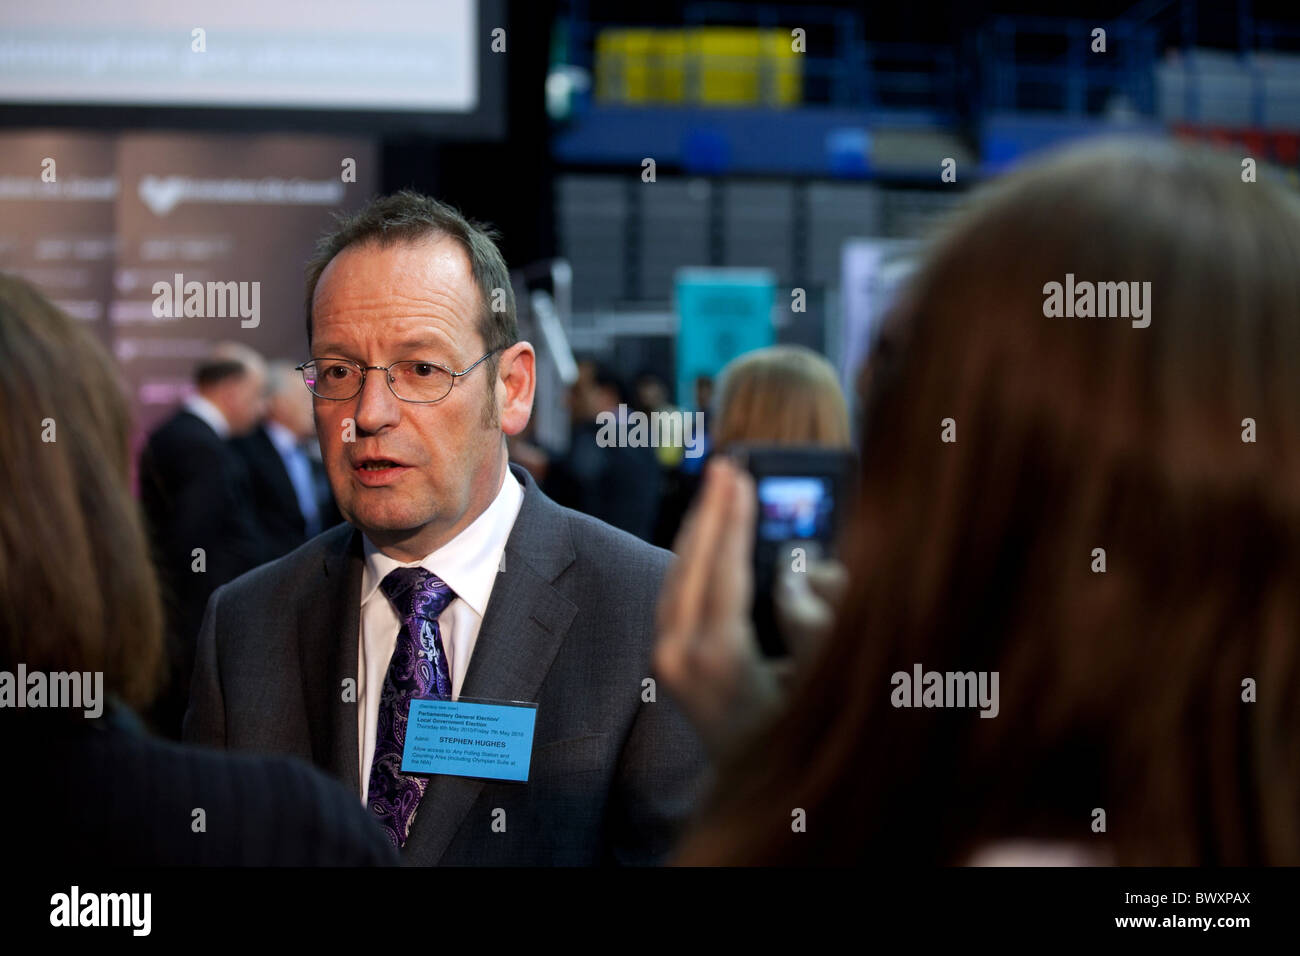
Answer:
[(198, 405), (467, 563)]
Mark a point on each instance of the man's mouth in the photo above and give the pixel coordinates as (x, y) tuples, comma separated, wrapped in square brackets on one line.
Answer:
[(378, 472)]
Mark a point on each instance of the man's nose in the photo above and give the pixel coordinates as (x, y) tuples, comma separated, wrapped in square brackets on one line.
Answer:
[(377, 406)]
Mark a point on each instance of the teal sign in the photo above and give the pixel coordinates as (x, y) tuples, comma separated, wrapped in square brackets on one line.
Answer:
[(721, 313)]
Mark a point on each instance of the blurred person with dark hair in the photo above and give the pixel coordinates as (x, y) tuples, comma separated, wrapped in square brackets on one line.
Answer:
[(650, 397), (617, 483), (286, 481), (78, 599), (456, 578), (198, 505), (1105, 535)]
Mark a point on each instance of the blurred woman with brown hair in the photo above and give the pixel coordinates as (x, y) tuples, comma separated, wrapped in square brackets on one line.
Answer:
[(1102, 511), (79, 607)]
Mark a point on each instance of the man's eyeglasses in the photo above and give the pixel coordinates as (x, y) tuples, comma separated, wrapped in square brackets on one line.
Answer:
[(424, 382)]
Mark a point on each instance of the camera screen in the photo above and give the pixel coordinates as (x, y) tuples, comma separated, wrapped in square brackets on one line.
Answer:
[(795, 507)]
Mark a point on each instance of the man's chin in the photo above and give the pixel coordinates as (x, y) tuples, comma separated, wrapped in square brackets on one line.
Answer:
[(386, 523)]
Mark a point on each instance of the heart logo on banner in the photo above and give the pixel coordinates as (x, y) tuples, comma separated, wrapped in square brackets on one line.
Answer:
[(162, 195)]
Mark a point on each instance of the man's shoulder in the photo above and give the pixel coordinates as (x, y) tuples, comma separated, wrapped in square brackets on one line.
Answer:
[(256, 451), (183, 445), (291, 572), (602, 550), (183, 423), (592, 534), (252, 442), (181, 437)]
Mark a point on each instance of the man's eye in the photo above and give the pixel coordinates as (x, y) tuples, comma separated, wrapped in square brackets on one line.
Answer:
[(422, 369), (336, 371)]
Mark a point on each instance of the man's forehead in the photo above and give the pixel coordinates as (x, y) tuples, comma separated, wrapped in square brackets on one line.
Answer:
[(431, 267), (395, 335), (409, 295)]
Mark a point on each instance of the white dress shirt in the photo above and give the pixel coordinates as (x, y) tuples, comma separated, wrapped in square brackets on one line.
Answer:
[(468, 564), (196, 404)]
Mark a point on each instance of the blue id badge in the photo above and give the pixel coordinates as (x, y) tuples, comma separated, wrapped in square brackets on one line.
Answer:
[(470, 738)]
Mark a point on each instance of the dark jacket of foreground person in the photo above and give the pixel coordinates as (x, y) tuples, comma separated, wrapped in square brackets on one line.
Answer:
[(115, 796)]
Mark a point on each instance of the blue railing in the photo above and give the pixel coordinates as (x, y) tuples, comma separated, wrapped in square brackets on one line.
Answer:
[(1048, 64)]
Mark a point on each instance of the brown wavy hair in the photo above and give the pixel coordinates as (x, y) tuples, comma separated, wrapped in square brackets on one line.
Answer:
[(77, 588), (1123, 690)]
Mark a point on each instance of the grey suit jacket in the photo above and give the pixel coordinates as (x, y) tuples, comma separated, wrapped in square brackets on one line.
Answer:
[(570, 625)]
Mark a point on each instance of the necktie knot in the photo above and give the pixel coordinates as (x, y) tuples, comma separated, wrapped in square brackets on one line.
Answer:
[(415, 591)]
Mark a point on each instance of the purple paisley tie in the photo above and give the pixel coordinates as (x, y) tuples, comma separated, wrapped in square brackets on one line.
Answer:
[(418, 669)]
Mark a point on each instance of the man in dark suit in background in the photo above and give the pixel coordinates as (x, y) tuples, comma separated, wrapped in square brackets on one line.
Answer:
[(287, 489), (456, 578), (197, 501)]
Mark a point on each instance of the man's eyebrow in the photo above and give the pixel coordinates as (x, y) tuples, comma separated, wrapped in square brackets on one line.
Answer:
[(421, 344)]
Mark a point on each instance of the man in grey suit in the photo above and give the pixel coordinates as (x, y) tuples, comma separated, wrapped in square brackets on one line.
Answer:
[(455, 578)]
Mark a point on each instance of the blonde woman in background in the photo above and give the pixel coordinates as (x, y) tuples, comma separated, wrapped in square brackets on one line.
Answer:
[(781, 395)]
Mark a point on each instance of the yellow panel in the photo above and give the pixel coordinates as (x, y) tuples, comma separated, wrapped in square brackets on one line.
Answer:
[(670, 66), (785, 68), (610, 48), (711, 65), (725, 61)]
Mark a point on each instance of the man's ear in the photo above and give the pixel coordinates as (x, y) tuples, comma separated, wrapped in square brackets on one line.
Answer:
[(516, 381)]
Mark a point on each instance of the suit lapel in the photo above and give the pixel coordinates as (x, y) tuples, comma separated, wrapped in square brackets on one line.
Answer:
[(330, 621), (525, 623)]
